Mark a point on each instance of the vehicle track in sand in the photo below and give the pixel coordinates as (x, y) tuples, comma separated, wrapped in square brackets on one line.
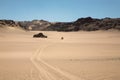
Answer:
[(47, 71)]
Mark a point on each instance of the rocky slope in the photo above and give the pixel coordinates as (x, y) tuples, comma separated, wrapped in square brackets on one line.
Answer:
[(8, 23), (10, 26), (34, 25), (90, 24), (85, 24)]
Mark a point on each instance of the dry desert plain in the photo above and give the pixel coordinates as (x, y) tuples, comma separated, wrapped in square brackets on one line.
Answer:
[(79, 56)]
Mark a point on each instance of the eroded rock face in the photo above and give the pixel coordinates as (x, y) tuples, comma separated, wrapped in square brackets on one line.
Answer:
[(8, 23), (35, 25), (39, 35), (85, 24), (91, 24)]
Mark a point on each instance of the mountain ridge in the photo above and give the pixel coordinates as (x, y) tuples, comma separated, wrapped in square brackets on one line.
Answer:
[(85, 24)]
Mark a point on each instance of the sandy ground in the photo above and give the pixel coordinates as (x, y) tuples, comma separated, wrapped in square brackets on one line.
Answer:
[(79, 56)]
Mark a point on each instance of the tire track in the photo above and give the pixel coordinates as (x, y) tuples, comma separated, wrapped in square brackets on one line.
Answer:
[(48, 72)]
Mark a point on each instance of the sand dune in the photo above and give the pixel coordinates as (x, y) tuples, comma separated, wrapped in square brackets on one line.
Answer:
[(79, 56)]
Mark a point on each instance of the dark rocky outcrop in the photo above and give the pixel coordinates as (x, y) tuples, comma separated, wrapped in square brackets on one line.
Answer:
[(39, 35), (8, 23), (61, 26), (85, 24), (35, 25)]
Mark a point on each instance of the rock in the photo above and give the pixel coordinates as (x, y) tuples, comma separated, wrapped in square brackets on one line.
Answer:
[(8, 23), (62, 38), (39, 35)]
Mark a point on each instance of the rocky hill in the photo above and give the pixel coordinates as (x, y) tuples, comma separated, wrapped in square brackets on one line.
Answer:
[(34, 25), (85, 24), (10, 26), (90, 24), (8, 23)]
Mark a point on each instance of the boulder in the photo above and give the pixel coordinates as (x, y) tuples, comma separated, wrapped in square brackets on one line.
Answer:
[(39, 35)]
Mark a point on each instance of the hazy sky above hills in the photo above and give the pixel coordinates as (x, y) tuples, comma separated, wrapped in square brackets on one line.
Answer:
[(58, 10)]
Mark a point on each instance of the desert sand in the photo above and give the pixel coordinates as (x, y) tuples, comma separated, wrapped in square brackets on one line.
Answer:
[(79, 56)]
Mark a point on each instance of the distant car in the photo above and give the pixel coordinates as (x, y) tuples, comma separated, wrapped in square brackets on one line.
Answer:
[(39, 35)]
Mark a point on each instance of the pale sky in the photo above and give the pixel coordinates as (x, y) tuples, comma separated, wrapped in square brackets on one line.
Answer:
[(58, 10)]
